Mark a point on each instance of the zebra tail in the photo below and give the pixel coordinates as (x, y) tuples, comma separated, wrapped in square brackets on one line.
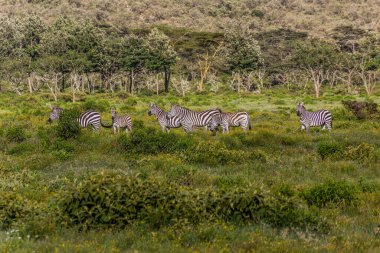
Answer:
[(249, 124), (105, 126)]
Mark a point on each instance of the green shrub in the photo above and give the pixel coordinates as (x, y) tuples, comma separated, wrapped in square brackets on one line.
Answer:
[(213, 153), (362, 152), (15, 133), (152, 141), (329, 149), (111, 200), (98, 105), (332, 192), (13, 207), (68, 126)]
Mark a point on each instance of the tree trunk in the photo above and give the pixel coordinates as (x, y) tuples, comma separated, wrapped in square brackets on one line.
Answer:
[(30, 83), (167, 79), (63, 82)]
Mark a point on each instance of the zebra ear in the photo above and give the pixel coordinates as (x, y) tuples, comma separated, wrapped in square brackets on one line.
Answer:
[(302, 103)]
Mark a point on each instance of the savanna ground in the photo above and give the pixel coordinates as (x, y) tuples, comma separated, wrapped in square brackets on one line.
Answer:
[(341, 191)]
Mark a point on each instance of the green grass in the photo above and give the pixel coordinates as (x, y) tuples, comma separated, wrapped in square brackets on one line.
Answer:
[(278, 159)]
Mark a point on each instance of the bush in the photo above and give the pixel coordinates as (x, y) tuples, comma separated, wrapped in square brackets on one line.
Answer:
[(151, 141), (111, 200), (13, 207), (15, 133), (214, 153), (68, 126), (361, 110), (362, 152), (329, 149), (332, 192)]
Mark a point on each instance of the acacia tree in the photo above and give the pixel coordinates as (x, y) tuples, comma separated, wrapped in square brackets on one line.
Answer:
[(243, 55), (132, 57), (161, 55), (369, 64), (12, 55), (318, 58)]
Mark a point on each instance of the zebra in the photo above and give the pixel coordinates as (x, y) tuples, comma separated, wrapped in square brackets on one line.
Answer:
[(190, 119), (89, 117), (123, 121), (164, 122), (225, 120), (309, 119)]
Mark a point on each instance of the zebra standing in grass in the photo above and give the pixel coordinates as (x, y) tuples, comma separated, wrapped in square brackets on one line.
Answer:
[(164, 122), (225, 120), (309, 119), (87, 118), (190, 119), (123, 121)]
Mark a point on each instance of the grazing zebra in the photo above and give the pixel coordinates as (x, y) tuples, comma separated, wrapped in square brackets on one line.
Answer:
[(123, 121), (225, 120), (89, 117), (164, 122), (309, 119), (190, 119)]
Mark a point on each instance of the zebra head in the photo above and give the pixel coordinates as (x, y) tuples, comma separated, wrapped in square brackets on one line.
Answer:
[(54, 114), (152, 109), (300, 109), (215, 121), (174, 111)]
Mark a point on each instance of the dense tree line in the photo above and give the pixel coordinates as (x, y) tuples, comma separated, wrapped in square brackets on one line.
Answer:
[(84, 57)]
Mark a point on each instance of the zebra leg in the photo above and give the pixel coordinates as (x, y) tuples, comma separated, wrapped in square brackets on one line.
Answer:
[(303, 127), (329, 127), (114, 129)]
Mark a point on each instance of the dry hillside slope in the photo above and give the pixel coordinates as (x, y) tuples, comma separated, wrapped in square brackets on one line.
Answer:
[(318, 17)]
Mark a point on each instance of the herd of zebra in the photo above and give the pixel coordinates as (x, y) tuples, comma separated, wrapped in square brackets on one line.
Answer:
[(180, 116)]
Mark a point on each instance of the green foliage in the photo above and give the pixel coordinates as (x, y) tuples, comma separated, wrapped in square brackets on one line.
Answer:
[(212, 153), (362, 152), (68, 126), (108, 200), (15, 133), (13, 207), (331, 192), (242, 50), (329, 150), (152, 141)]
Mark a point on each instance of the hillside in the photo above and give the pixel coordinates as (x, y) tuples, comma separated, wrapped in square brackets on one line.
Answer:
[(318, 17)]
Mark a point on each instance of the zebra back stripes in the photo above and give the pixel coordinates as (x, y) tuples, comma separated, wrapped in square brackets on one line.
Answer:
[(123, 121), (161, 116), (225, 120), (308, 119), (190, 119), (87, 118)]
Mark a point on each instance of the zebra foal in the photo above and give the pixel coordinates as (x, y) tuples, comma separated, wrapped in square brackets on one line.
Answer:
[(165, 123), (308, 119), (123, 121), (226, 120), (190, 119), (87, 118)]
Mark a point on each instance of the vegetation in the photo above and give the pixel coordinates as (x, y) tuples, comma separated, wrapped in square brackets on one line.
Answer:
[(262, 189), (272, 189)]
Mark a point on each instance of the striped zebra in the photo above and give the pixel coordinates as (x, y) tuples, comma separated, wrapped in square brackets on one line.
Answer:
[(123, 121), (310, 119), (190, 119), (87, 118), (164, 122), (226, 120)]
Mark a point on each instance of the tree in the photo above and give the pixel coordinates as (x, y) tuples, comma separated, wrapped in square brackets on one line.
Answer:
[(318, 58), (243, 55), (132, 57), (369, 65), (11, 51), (161, 55)]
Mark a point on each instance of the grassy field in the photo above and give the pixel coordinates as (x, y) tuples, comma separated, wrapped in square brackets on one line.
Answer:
[(322, 191)]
